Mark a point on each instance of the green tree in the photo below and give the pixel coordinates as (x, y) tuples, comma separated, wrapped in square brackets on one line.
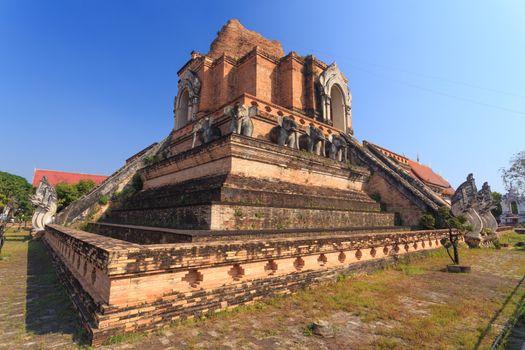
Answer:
[(15, 191), (85, 186), (496, 198), (514, 176), (457, 226), (68, 193), (427, 222)]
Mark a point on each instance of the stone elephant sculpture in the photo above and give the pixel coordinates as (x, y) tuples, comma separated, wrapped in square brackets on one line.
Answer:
[(241, 121), (336, 148), (206, 131), (286, 133), (314, 141)]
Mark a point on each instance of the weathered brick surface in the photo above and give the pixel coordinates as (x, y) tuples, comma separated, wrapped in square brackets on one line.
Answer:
[(395, 201), (242, 183), (257, 67), (235, 40), (242, 217), (136, 287), (160, 235), (249, 191)]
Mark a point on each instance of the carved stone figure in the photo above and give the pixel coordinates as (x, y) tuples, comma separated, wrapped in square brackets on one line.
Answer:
[(485, 205), (336, 148), (45, 201), (286, 133), (208, 132), (313, 141), (241, 121), (475, 206)]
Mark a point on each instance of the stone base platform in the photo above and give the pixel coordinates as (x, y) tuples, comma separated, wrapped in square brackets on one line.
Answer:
[(242, 183), (120, 286)]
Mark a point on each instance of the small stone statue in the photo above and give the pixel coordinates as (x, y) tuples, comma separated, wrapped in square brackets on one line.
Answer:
[(45, 201), (286, 133), (336, 148), (209, 132), (241, 121), (313, 141), (206, 131)]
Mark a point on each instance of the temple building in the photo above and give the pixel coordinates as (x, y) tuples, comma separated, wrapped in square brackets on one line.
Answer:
[(420, 171), (54, 177), (513, 208), (242, 62), (260, 188)]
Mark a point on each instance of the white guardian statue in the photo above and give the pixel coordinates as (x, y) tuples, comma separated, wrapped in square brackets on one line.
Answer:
[(45, 201)]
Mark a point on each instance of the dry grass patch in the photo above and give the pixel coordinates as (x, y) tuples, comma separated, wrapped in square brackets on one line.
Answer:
[(409, 306)]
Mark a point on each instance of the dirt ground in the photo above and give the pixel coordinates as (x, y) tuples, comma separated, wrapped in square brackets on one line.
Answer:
[(411, 306)]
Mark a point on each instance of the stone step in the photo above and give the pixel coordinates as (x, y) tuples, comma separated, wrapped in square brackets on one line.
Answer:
[(156, 235)]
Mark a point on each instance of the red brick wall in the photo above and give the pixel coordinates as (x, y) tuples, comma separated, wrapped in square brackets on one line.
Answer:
[(394, 200)]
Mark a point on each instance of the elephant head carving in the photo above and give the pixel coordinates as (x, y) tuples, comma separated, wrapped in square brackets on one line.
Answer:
[(313, 141), (286, 133), (336, 148), (241, 121), (206, 131)]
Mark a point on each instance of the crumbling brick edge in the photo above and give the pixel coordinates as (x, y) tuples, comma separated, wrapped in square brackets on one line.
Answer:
[(96, 337)]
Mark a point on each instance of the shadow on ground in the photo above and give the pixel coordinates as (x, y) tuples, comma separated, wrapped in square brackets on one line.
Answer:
[(48, 308)]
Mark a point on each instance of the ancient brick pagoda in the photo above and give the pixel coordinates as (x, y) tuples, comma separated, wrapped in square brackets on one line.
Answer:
[(261, 189)]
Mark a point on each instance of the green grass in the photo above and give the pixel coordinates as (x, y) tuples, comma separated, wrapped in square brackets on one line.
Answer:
[(464, 311), (511, 238), (516, 317), (308, 330), (125, 338), (402, 297), (410, 270), (16, 243)]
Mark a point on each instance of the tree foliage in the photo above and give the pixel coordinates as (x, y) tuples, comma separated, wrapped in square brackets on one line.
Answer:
[(514, 176), (68, 193), (454, 224), (427, 222), (496, 198), (15, 191)]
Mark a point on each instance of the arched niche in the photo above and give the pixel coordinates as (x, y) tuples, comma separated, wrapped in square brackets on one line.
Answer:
[(514, 209), (181, 109), (336, 99), (337, 107), (187, 100)]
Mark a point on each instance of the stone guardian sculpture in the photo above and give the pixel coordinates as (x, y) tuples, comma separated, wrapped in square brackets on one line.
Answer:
[(45, 201), (475, 206), (208, 132), (336, 148), (241, 121), (286, 133), (313, 141)]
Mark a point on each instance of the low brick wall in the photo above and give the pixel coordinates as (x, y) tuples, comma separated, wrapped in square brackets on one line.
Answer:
[(120, 286)]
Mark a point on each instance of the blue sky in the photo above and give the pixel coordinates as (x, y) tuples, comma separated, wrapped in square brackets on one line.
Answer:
[(86, 84)]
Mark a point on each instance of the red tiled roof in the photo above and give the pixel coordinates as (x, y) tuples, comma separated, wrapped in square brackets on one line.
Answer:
[(420, 171), (427, 175), (55, 177)]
